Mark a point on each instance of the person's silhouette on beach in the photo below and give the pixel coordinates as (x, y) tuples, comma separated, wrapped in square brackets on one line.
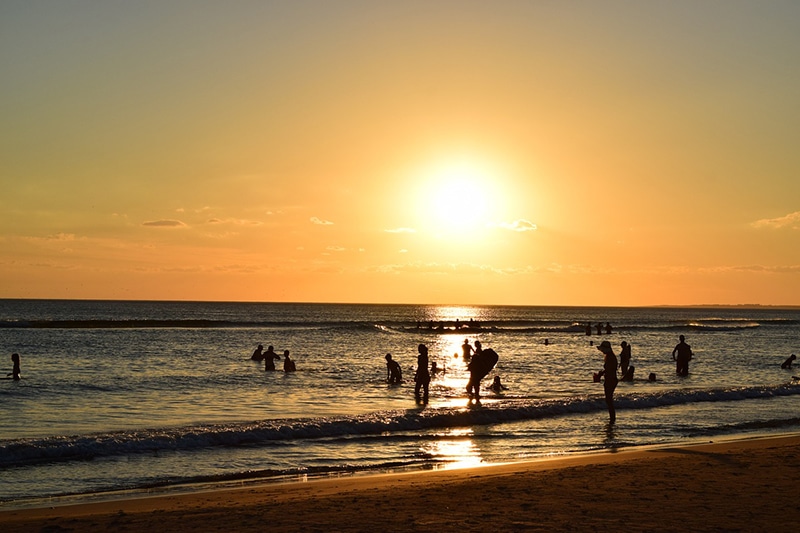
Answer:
[(394, 373), (609, 375), (270, 357), (788, 363), (682, 354), (422, 378)]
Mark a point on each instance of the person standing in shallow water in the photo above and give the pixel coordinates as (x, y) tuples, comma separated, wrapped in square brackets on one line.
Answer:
[(682, 354), (609, 375), (288, 364), (474, 383), (15, 372), (466, 350), (258, 354), (624, 358), (423, 377), (270, 357)]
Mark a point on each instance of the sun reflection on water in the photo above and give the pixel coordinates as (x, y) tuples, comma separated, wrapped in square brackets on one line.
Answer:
[(455, 449)]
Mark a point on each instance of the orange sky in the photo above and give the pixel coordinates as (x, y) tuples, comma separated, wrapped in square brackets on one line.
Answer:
[(532, 153)]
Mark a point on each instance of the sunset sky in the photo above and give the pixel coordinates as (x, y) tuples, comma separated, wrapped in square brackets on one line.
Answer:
[(454, 152)]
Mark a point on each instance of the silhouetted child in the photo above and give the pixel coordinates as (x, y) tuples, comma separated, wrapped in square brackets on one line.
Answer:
[(496, 386), (393, 372), (628, 375)]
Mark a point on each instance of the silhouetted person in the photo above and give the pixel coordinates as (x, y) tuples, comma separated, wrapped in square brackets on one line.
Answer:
[(788, 363), (474, 385), (434, 369), (270, 357), (496, 386), (589, 330), (288, 364), (599, 328), (422, 378), (652, 377), (682, 354), (609, 375), (608, 328), (624, 357), (393, 372), (14, 371), (628, 375), (258, 355), (482, 363), (466, 349)]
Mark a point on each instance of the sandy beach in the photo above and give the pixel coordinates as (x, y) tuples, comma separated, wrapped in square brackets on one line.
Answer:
[(745, 485)]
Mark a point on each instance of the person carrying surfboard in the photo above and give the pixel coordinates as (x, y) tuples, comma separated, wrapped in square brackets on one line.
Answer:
[(482, 363)]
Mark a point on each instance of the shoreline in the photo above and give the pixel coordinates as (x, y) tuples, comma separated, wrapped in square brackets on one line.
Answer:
[(738, 483), (255, 480)]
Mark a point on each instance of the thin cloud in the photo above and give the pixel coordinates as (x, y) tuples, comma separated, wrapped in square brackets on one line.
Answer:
[(792, 220), (62, 237), (400, 230), (320, 222), (419, 267), (164, 224), (520, 225), (235, 221)]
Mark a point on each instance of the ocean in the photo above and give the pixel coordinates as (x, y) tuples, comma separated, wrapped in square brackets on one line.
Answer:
[(143, 397)]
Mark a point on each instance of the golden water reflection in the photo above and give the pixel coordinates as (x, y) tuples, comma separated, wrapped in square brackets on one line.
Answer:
[(456, 449)]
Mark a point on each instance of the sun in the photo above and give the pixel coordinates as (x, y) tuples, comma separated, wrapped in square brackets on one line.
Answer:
[(460, 196)]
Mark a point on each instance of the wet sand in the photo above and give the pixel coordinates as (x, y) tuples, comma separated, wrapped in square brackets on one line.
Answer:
[(745, 485)]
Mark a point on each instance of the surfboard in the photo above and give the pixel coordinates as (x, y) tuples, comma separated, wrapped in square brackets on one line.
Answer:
[(483, 363)]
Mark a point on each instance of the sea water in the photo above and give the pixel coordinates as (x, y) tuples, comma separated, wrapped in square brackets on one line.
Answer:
[(144, 396)]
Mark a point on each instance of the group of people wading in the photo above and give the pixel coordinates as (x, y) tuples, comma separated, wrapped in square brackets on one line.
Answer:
[(480, 363), (269, 357), (682, 354)]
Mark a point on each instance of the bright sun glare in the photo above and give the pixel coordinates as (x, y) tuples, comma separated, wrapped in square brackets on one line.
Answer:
[(460, 196)]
